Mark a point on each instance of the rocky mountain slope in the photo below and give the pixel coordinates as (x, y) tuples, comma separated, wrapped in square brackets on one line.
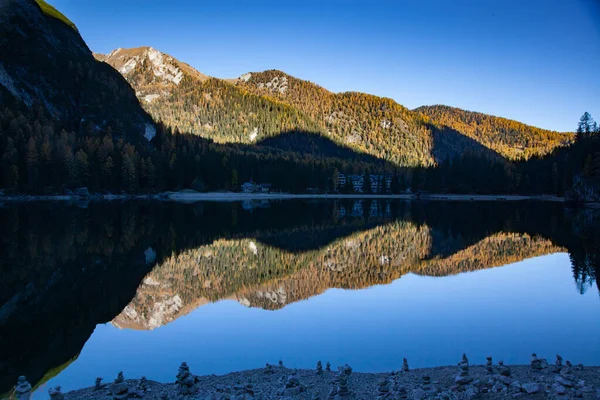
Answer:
[(46, 63), (183, 98)]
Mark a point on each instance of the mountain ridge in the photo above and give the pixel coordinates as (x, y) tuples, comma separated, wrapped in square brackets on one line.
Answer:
[(363, 122)]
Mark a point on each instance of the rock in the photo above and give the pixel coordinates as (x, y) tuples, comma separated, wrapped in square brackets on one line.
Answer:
[(269, 369), (118, 388), (598, 394), (532, 388), (186, 383), (402, 392), (559, 389), (55, 393), (328, 367), (489, 366), (319, 368), (333, 391), (98, 384), (498, 387), (280, 363), (23, 389), (143, 384), (343, 392), (383, 389), (405, 365), (503, 369), (558, 364), (535, 364), (564, 382), (120, 377), (463, 377), (471, 392), (505, 380), (463, 380)]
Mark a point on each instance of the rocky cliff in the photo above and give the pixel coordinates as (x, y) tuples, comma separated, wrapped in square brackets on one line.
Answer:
[(45, 62)]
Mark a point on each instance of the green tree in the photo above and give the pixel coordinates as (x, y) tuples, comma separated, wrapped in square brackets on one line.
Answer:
[(586, 126)]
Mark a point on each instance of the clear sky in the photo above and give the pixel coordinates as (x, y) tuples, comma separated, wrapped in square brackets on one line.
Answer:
[(536, 61)]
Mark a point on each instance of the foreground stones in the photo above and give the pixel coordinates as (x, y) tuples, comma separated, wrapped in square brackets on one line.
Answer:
[(186, 382), (23, 389), (469, 382)]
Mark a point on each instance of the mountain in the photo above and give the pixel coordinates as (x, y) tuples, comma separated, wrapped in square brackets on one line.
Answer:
[(512, 139), (183, 98), (46, 63), (258, 107)]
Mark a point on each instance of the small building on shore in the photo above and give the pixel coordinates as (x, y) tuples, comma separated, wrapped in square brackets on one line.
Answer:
[(253, 187)]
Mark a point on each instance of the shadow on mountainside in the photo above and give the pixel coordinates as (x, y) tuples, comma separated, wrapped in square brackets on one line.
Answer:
[(318, 145), (449, 143)]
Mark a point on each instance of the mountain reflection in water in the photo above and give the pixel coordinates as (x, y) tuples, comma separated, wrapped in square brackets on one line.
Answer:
[(143, 265)]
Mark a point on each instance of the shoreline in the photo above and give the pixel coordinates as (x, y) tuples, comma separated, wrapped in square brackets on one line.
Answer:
[(490, 381), (191, 197)]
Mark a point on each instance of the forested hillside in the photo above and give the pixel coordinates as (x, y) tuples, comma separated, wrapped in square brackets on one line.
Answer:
[(189, 101), (514, 140)]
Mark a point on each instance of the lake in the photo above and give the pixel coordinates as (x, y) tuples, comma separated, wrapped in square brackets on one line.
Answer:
[(88, 290)]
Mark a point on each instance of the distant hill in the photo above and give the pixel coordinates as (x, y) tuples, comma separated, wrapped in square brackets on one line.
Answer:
[(512, 139)]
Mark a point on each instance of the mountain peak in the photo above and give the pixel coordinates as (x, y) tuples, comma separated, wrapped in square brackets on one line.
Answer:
[(165, 69)]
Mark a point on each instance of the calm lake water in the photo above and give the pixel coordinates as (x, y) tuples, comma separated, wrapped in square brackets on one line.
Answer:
[(88, 290)]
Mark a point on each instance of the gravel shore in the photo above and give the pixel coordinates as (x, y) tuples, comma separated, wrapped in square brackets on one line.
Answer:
[(536, 381)]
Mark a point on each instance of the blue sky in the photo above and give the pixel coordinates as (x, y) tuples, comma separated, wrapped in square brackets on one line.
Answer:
[(536, 61)]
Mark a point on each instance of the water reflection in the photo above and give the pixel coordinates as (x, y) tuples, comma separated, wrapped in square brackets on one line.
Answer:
[(144, 265)]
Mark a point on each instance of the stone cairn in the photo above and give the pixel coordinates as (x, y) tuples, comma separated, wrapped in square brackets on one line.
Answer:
[(333, 391), (269, 369), (535, 364), (120, 377), (565, 378), (55, 393), (402, 392), (343, 393), (292, 385), (319, 368), (489, 366), (426, 383), (98, 385), (185, 380), (328, 367), (558, 365), (503, 369), (280, 364), (463, 377), (23, 389), (143, 384), (405, 365), (383, 389)]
